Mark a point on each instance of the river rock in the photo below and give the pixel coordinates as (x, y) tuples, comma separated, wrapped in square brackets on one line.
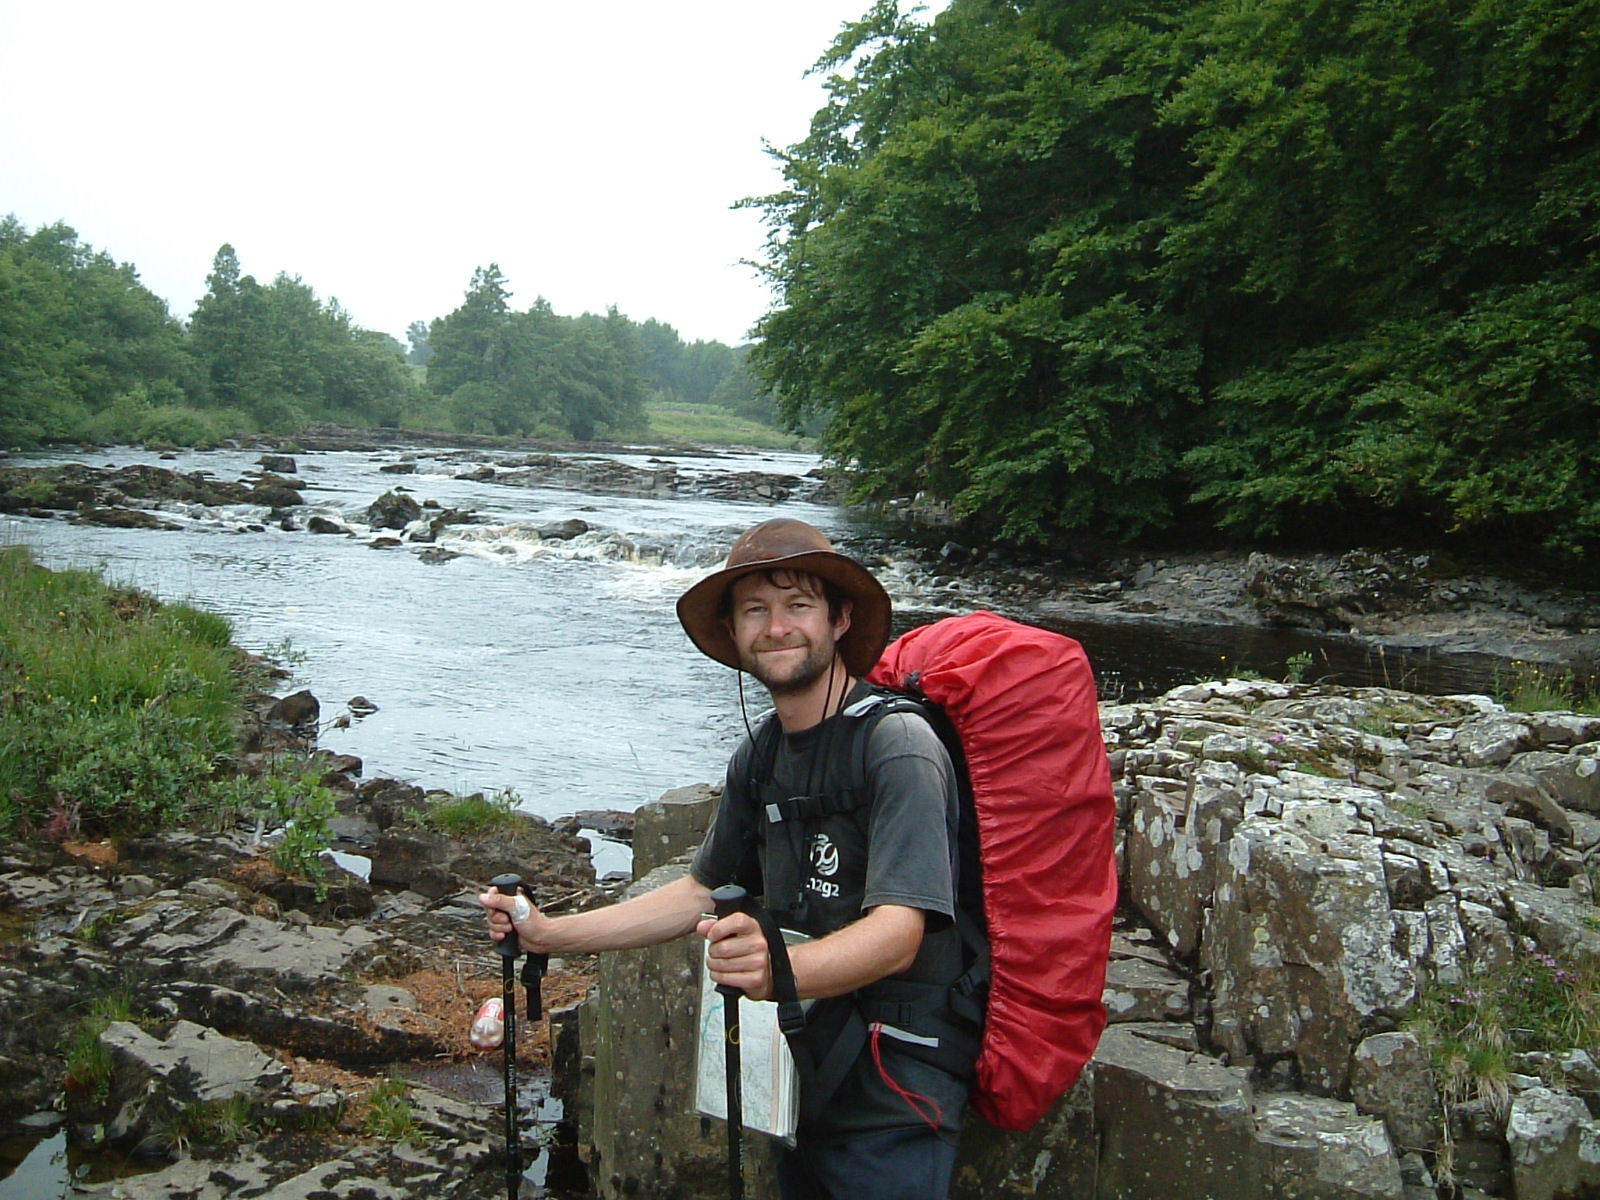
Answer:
[(392, 510), (275, 492), (122, 518), (563, 531), (190, 1064), (1391, 1076), (299, 710), (278, 464), (1555, 1145), (603, 476)]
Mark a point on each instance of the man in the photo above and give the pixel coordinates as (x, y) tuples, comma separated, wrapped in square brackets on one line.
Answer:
[(872, 882)]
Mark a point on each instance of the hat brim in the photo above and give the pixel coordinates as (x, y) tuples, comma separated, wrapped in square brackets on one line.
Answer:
[(700, 609)]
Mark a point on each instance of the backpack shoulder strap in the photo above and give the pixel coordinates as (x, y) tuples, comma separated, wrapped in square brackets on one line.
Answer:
[(864, 716)]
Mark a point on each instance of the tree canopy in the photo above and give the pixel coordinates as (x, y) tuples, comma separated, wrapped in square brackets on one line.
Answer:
[(79, 334), (87, 352), (1243, 264)]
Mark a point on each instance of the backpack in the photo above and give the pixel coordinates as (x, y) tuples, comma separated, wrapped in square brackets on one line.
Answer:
[(1017, 709)]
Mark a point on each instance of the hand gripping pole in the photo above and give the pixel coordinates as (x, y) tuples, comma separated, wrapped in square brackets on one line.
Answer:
[(509, 949), (727, 900)]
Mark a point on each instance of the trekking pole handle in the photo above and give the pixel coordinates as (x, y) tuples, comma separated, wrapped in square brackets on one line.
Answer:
[(727, 900), (512, 885)]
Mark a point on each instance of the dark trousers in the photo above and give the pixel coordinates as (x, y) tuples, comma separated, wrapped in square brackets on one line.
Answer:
[(897, 1164)]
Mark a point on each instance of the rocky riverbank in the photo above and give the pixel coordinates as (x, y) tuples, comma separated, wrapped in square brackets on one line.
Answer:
[(1358, 955), (179, 1008)]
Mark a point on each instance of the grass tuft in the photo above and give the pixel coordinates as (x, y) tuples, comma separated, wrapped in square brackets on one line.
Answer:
[(389, 1115), (476, 815)]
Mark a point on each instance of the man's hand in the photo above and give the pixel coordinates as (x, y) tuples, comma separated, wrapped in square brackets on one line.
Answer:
[(738, 955), (529, 921)]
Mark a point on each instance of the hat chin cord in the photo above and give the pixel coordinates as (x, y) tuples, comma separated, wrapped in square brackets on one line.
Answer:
[(835, 703)]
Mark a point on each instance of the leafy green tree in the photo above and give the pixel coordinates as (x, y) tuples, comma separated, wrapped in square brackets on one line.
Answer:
[(598, 384), (417, 336), (79, 336), (1263, 265), (535, 372), (472, 344), (285, 357), (964, 259), (741, 393)]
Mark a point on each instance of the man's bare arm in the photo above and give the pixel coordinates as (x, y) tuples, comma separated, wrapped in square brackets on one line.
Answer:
[(668, 912), (882, 943)]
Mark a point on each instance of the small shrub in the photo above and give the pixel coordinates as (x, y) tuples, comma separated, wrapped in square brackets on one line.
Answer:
[(37, 491), (304, 810), (1296, 666), (113, 708)]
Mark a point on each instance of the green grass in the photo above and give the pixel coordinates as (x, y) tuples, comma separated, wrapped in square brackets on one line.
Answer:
[(476, 815), (113, 707), (88, 1061), (389, 1114), (1475, 1029), (207, 1123), (676, 423), (1533, 687)]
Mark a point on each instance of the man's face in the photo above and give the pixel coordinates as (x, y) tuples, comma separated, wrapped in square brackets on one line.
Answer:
[(783, 632)]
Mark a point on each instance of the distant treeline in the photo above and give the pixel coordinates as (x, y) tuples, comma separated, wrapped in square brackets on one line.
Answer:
[(1327, 270), (87, 353)]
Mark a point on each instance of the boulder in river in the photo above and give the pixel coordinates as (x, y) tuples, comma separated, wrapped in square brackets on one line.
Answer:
[(393, 510)]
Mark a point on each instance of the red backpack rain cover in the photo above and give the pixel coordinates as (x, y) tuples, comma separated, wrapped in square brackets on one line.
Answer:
[(1023, 701)]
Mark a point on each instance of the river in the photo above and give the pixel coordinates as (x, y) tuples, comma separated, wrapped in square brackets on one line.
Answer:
[(554, 668)]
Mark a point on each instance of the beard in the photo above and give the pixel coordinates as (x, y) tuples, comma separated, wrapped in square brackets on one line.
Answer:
[(793, 677)]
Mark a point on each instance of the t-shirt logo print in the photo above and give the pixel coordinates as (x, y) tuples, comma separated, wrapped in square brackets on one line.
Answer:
[(824, 865)]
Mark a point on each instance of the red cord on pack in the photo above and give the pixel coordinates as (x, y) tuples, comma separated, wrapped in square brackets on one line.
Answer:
[(919, 1103)]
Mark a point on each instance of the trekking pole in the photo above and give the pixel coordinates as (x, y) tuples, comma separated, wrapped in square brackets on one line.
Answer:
[(732, 898), (509, 949)]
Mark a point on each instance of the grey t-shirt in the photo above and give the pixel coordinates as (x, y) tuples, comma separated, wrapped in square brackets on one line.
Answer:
[(820, 874)]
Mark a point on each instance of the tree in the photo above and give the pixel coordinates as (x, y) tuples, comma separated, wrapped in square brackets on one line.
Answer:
[(79, 335), (284, 357), (417, 336), (964, 267), (534, 372)]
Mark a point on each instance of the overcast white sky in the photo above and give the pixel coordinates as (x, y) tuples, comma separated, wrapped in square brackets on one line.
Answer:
[(382, 151)]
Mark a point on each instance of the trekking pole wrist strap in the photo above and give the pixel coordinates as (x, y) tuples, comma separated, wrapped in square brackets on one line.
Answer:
[(791, 1016)]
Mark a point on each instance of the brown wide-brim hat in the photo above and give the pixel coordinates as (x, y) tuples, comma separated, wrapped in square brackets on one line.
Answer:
[(789, 545)]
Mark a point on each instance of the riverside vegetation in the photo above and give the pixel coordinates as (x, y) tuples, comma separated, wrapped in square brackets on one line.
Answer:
[(121, 716), (87, 353)]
